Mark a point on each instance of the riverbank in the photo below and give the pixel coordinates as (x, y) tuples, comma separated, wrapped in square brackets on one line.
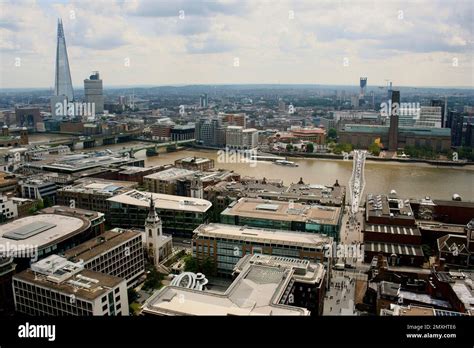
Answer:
[(436, 163)]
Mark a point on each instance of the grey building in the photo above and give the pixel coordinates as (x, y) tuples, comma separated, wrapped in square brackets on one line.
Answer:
[(93, 91)]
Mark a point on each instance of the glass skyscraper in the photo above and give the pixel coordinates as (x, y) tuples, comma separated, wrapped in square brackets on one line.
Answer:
[(63, 92)]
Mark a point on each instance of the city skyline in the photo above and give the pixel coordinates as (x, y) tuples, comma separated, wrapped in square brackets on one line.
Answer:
[(186, 43)]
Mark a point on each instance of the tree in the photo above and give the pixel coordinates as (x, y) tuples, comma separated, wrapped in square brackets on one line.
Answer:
[(208, 267), (374, 149), (132, 295), (153, 279), (40, 205), (340, 148), (332, 133), (289, 147), (310, 147), (47, 202), (191, 264)]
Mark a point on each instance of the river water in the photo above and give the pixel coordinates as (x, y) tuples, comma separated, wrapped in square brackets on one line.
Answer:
[(409, 180)]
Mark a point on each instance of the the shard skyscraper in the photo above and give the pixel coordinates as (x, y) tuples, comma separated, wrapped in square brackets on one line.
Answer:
[(63, 91)]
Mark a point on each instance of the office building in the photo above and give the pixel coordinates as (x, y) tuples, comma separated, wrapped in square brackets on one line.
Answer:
[(234, 119), (52, 231), (210, 132), (92, 193), (57, 287), (456, 287), (469, 135), (37, 188), (443, 104), (180, 215), (281, 215), (390, 230), (195, 163), (430, 117), (363, 86), (166, 181), (8, 182), (161, 130), (264, 285), (310, 134), (226, 244), (117, 252), (28, 117), (63, 92), (130, 173), (182, 132), (242, 139), (7, 270), (203, 101), (81, 162), (13, 207), (417, 311), (456, 122), (93, 92)]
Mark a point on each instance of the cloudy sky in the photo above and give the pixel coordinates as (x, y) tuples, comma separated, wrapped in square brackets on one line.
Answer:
[(158, 42)]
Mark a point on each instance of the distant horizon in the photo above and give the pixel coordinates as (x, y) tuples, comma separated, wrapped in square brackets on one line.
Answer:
[(243, 84)]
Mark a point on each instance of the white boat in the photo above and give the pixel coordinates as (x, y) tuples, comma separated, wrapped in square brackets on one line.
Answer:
[(286, 163)]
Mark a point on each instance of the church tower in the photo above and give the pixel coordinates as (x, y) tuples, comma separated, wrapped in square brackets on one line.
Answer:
[(153, 231), (197, 190)]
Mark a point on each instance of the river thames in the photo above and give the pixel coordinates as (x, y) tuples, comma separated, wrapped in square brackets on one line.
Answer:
[(408, 179)]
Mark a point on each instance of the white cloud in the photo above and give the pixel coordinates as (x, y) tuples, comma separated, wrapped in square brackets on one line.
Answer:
[(412, 47)]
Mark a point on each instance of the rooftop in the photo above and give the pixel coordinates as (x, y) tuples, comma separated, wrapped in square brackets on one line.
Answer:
[(101, 244), (389, 248), (80, 162), (391, 229), (280, 237), (388, 206), (441, 227), (258, 290), (196, 160), (39, 231), (170, 174), (286, 211), (70, 278), (100, 186), (462, 284), (162, 201)]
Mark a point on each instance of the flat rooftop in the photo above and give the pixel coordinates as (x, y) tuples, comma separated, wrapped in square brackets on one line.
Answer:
[(170, 174), (100, 244), (280, 237), (162, 201), (75, 212), (100, 186), (391, 229), (39, 231), (130, 170), (84, 284), (434, 226), (257, 290), (80, 162), (195, 160), (391, 248), (285, 211), (388, 206)]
